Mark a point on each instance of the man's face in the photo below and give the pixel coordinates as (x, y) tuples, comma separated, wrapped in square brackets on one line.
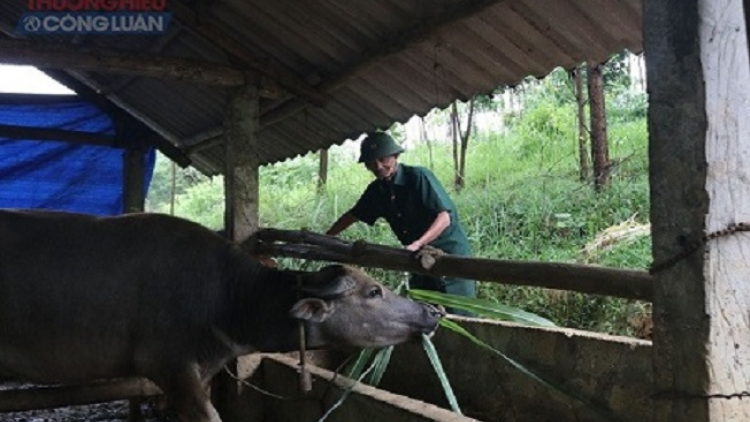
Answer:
[(383, 168)]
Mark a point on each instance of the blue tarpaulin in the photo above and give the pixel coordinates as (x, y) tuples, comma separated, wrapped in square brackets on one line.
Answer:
[(61, 175)]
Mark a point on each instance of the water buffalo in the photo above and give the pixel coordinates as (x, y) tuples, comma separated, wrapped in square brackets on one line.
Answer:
[(84, 297)]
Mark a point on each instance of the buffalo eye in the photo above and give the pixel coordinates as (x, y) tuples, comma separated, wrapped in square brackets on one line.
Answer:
[(375, 292)]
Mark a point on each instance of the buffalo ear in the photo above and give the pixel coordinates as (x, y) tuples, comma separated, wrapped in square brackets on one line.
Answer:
[(313, 310), (333, 280)]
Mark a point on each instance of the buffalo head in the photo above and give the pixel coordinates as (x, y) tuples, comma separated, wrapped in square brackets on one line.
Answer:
[(347, 307)]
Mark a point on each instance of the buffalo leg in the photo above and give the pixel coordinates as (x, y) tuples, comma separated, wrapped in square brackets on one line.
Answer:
[(187, 395)]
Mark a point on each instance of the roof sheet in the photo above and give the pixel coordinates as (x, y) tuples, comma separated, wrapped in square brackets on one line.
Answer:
[(380, 61)]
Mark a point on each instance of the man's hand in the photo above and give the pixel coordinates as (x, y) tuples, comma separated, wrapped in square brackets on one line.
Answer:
[(414, 246), (427, 256)]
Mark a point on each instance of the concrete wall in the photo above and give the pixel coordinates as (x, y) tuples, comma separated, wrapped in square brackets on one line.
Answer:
[(613, 372)]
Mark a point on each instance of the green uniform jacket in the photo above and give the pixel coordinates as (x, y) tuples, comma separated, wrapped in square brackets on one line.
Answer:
[(410, 202)]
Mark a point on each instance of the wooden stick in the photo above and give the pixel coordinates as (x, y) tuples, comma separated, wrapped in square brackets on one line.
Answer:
[(630, 284), (62, 135)]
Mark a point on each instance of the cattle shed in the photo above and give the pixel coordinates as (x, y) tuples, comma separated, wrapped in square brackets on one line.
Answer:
[(233, 85)]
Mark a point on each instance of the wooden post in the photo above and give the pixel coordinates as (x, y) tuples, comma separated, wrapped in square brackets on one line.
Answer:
[(133, 200), (241, 193), (134, 174), (699, 150)]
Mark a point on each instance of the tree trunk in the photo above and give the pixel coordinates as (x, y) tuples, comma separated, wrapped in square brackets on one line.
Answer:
[(426, 139), (461, 181), (455, 134), (172, 187), (459, 151), (323, 170), (599, 147), (583, 150)]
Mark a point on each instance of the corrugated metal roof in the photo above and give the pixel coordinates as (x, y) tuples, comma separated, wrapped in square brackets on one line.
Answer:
[(379, 61)]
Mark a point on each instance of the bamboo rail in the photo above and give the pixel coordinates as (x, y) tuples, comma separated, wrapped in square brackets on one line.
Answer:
[(33, 398), (629, 284)]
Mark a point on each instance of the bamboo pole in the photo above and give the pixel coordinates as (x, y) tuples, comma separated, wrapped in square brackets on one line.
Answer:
[(629, 284)]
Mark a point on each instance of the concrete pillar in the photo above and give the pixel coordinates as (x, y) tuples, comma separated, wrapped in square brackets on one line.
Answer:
[(241, 163), (241, 193)]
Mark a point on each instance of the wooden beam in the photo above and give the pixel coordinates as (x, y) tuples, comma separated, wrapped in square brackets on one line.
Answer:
[(43, 134), (421, 31), (156, 48), (168, 149), (205, 144), (64, 56), (589, 279), (107, 103), (699, 133), (96, 98), (101, 101), (266, 66), (34, 398)]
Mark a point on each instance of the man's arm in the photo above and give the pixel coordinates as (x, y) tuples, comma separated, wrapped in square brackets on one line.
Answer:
[(346, 220), (441, 222)]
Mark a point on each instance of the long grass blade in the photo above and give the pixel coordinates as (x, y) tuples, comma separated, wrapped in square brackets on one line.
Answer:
[(360, 364), (384, 353), (437, 365), (380, 364), (601, 410), (480, 307)]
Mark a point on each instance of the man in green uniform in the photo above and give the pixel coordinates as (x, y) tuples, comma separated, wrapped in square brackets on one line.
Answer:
[(415, 205)]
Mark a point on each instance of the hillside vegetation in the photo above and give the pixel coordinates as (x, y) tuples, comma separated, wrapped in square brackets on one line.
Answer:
[(522, 200)]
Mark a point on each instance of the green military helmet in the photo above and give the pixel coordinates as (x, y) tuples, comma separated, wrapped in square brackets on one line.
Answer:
[(378, 145)]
